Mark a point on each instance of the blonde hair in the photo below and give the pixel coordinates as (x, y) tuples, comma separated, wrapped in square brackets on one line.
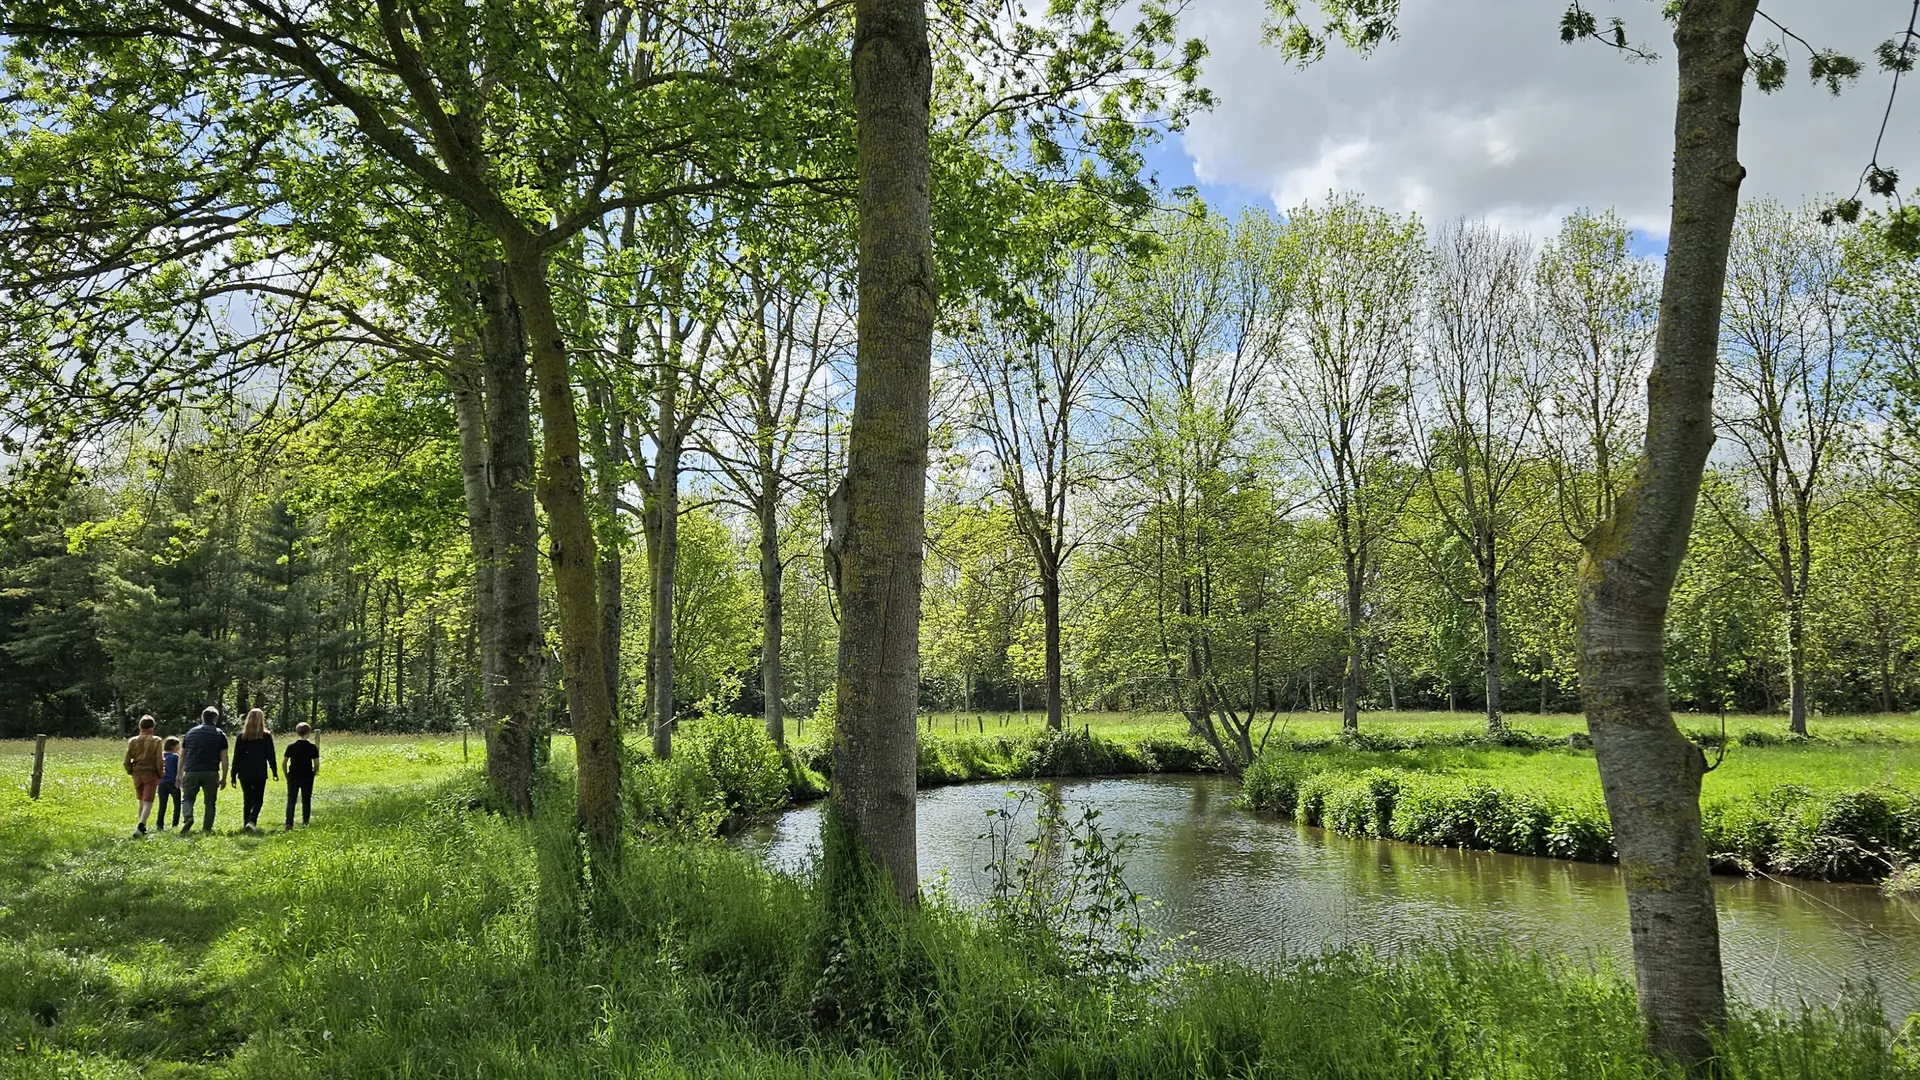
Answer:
[(256, 724)]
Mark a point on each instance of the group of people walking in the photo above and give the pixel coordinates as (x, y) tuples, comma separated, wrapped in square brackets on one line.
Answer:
[(181, 770)]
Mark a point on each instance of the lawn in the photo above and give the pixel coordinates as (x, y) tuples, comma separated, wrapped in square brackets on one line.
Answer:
[(412, 933), (1325, 725)]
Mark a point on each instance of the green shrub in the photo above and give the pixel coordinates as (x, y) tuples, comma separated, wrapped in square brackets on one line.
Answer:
[(675, 799), (1273, 781), (744, 765)]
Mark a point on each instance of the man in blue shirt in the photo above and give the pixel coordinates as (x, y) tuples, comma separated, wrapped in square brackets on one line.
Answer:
[(203, 766)]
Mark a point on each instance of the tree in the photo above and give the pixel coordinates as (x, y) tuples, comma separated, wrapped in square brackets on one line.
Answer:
[(1599, 308), (1474, 406), (1033, 388), (1197, 348), (792, 330), (1357, 281), (1796, 383), (875, 515), (1649, 771)]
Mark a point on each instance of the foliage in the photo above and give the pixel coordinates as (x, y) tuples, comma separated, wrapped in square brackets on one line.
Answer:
[(1068, 891), (723, 765)]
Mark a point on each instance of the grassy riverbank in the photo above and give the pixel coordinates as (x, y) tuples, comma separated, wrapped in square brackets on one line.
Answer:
[(1840, 805), (1844, 811), (409, 933)]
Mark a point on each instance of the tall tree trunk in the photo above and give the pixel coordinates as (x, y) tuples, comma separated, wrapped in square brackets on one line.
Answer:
[(609, 447), (399, 647), (1393, 688), (562, 489), (513, 643), (1886, 666), (882, 499), (1050, 614), (1350, 693), (772, 603), (1490, 657), (663, 558), (1796, 667), (1650, 772)]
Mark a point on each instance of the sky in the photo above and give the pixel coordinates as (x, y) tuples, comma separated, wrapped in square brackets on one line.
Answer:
[(1478, 110)]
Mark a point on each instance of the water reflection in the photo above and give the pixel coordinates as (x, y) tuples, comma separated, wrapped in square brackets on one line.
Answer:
[(1248, 887)]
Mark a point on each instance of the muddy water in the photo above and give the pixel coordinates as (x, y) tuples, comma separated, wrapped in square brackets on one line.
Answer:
[(1249, 887)]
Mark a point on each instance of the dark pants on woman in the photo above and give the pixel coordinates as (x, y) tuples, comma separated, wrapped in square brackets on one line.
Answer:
[(167, 791), (300, 787), (253, 791)]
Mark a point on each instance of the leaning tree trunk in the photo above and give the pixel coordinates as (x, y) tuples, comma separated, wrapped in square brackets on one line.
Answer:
[(514, 642), (772, 603), (882, 499), (1650, 772), (562, 488), (1050, 614)]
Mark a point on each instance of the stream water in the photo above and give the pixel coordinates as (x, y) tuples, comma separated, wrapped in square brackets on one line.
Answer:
[(1255, 888)]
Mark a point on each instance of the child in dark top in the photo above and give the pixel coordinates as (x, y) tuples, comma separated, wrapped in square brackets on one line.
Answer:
[(252, 758), (302, 765), (169, 783)]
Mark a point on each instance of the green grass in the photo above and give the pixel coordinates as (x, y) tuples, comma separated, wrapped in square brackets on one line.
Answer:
[(409, 934)]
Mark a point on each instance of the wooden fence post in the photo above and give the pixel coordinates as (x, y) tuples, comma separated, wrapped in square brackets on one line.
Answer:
[(463, 744), (39, 764)]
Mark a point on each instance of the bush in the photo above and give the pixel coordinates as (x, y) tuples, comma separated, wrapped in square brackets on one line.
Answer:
[(744, 765), (724, 765), (1860, 835)]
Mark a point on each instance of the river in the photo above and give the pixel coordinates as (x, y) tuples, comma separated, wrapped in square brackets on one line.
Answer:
[(1239, 885)]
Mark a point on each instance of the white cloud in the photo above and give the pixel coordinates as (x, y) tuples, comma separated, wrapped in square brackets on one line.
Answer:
[(1479, 110)]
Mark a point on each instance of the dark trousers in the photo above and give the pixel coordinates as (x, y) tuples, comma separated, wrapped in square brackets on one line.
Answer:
[(167, 791), (253, 794), (191, 785), (300, 787)]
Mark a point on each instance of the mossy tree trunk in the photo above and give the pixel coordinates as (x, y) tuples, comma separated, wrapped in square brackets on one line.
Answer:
[(879, 511), (572, 553), (1650, 772), (496, 463)]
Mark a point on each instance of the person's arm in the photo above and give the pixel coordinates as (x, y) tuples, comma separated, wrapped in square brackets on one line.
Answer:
[(272, 762), (127, 761), (314, 769), (223, 767)]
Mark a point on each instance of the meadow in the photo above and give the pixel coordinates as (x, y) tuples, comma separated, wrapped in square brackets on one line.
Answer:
[(413, 932)]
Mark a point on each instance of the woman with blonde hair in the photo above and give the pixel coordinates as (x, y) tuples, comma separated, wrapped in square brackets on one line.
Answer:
[(252, 759)]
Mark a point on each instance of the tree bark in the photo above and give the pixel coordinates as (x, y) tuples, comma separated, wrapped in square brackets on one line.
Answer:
[(1650, 772), (1796, 667), (610, 453), (878, 552), (562, 490), (512, 644), (1050, 613), (1490, 623), (663, 558), (772, 603), (1350, 693)]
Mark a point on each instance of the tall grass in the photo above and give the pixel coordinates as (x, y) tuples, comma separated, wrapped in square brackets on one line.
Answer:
[(415, 934)]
